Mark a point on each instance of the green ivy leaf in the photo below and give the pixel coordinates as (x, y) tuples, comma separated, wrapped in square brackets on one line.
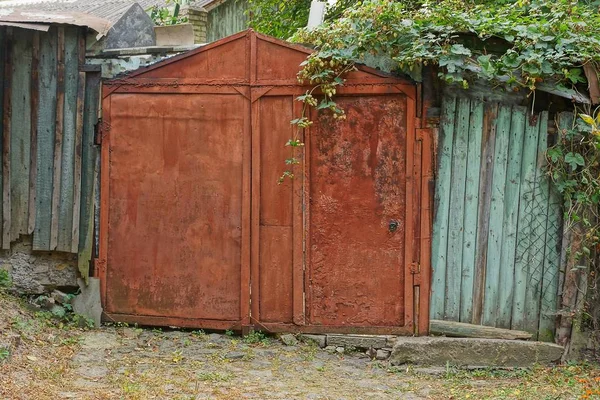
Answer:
[(574, 160), (459, 49), (555, 154)]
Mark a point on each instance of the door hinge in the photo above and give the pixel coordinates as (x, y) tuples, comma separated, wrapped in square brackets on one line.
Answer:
[(415, 270), (98, 132)]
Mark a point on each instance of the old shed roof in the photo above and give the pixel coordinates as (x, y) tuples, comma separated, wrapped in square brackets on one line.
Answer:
[(41, 20), (111, 10)]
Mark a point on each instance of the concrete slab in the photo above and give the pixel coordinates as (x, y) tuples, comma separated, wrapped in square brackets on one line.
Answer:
[(87, 303), (440, 351), (358, 341)]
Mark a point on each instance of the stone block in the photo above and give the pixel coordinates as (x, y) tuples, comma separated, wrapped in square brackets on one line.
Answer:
[(357, 341), (289, 340), (382, 355), (320, 340), (440, 351), (37, 272)]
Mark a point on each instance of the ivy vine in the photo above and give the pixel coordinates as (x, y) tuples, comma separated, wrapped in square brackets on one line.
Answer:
[(574, 167), (324, 72), (514, 45)]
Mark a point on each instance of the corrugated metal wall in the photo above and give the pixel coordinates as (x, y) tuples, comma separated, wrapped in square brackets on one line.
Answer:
[(227, 19), (497, 227), (49, 110)]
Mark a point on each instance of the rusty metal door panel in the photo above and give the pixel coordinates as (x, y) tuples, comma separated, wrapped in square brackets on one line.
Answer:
[(274, 292), (175, 207), (357, 214)]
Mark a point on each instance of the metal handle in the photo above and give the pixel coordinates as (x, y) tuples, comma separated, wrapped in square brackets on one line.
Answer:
[(393, 225)]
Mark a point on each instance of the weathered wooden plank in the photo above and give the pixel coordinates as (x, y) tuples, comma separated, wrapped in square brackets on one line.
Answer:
[(459, 329), (20, 135), (592, 77), (77, 168), (511, 213), (45, 140), (496, 216), (471, 209), (58, 136), (77, 171), (67, 169), (33, 118), (528, 168), (552, 259), (89, 157), (442, 208), (6, 133), (2, 85), (488, 145), (457, 209), (533, 294)]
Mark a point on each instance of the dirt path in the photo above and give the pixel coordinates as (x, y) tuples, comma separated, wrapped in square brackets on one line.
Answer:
[(49, 361), (179, 365)]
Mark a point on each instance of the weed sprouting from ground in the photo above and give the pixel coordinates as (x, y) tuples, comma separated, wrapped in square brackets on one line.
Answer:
[(5, 281), (214, 376), (4, 353), (257, 337)]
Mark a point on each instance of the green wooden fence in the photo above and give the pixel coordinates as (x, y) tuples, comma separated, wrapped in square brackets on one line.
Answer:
[(48, 108), (497, 226), (226, 19)]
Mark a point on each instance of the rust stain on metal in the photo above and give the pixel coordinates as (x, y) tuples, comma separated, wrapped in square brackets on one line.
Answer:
[(175, 207), (357, 214)]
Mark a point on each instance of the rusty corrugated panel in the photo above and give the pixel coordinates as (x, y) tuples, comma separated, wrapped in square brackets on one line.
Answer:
[(308, 247)]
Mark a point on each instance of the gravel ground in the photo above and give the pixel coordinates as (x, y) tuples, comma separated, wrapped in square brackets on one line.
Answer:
[(47, 359)]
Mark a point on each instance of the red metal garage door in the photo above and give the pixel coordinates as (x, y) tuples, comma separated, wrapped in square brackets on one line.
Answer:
[(192, 215)]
